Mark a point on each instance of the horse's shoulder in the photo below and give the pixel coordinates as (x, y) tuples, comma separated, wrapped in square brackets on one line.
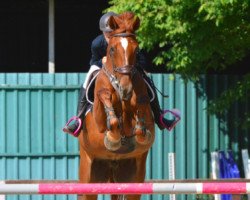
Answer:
[(102, 78)]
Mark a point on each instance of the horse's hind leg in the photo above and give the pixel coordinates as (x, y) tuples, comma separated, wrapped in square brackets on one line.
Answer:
[(118, 197), (87, 197), (114, 197), (125, 197), (85, 173), (133, 197)]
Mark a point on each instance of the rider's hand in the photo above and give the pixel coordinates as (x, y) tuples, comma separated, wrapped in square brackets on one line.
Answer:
[(104, 60)]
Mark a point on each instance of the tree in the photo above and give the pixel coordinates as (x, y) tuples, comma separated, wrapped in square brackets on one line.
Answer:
[(194, 37)]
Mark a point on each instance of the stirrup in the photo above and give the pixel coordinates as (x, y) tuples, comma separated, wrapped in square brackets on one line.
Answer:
[(77, 131), (175, 113)]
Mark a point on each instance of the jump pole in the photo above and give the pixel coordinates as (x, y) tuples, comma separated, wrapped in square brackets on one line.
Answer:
[(128, 188)]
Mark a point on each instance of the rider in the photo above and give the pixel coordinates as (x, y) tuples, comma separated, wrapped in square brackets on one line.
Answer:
[(98, 59)]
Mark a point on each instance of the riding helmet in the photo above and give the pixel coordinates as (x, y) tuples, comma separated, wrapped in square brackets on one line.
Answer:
[(103, 23)]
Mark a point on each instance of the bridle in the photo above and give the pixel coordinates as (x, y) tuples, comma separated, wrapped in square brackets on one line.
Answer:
[(124, 70)]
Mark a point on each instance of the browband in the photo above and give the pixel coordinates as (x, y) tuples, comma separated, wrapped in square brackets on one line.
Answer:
[(123, 35)]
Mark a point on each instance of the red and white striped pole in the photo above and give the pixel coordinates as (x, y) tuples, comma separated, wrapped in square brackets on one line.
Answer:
[(128, 188)]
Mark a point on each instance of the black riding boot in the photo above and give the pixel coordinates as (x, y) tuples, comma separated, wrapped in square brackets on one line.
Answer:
[(155, 106), (81, 109), (157, 114)]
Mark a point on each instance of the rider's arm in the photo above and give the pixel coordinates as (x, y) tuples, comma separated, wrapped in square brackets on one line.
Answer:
[(96, 59)]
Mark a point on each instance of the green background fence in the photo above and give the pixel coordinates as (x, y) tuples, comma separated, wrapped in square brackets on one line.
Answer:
[(35, 106)]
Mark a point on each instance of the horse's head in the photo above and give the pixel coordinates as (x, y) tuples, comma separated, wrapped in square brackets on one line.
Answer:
[(121, 51)]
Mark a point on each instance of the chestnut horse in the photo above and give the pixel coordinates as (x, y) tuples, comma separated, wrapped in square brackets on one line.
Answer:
[(119, 131)]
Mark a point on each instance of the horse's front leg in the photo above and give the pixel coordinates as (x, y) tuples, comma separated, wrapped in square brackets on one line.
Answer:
[(112, 138), (142, 116)]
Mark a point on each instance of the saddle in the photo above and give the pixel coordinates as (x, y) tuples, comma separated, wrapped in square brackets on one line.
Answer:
[(91, 86)]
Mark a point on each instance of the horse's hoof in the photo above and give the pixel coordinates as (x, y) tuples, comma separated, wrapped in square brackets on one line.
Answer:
[(144, 139), (112, 145)]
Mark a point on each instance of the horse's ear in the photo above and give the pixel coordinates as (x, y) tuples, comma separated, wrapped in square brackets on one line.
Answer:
[(113, 22), (136, 23)]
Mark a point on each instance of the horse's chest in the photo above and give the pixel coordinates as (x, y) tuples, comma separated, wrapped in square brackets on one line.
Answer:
[(128, 105)]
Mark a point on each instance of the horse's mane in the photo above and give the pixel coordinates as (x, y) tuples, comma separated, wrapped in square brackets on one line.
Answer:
[(126, 22)]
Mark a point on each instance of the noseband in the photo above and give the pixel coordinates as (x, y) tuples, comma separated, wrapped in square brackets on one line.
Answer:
[(126, 69)]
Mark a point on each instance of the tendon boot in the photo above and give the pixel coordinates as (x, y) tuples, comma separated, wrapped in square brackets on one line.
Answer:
[(74, 128), (161, 122)]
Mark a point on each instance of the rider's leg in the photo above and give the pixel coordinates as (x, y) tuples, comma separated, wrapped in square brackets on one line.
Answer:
[(155, 106), (82, 101), (81, 109)]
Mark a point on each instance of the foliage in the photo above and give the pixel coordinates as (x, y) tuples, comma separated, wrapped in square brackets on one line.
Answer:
[(194, 36), (240, 94)]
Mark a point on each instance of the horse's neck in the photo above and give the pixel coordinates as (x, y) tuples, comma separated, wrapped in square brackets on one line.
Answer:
[(109, 65)]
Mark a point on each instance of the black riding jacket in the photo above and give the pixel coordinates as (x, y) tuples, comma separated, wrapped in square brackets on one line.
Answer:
[(99, 50)]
